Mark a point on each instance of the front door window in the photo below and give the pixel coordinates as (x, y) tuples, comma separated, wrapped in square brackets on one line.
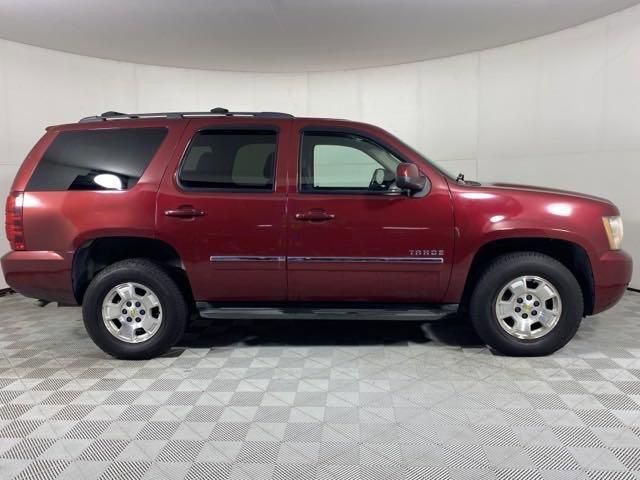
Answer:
[(335, 163)]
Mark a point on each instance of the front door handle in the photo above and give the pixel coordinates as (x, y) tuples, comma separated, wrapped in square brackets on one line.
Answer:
[(315, 216), (184, 211)]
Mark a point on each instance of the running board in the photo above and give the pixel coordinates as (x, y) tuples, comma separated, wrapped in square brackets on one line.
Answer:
[(326, 312)]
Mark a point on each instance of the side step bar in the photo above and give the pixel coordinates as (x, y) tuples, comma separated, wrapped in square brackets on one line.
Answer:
[(325, 312)]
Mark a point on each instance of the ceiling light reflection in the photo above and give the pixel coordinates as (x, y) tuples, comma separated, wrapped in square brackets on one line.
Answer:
[(109, 181), (478, 195), (560, 209)]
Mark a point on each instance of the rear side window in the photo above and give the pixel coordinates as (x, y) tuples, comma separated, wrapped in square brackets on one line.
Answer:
[(96, 159), (230, 160)]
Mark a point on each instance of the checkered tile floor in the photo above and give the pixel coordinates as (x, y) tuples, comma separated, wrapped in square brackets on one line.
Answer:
[(328, 400)]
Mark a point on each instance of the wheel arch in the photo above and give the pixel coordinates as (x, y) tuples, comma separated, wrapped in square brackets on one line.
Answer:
[(96, 254), (570, 254)]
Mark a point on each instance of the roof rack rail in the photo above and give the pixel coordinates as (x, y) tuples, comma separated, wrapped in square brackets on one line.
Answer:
[(214, 112)]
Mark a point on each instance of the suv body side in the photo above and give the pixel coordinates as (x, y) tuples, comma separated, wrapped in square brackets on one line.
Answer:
[(459, 220)]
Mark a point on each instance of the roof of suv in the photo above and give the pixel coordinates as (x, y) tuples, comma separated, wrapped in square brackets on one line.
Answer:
[(214, 112)]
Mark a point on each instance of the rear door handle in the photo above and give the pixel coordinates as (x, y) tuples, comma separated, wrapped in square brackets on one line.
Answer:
[(186, 211), (315, 216)]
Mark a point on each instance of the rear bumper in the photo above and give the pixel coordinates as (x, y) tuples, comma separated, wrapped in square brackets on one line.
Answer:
[(611, 275), (40, 274)]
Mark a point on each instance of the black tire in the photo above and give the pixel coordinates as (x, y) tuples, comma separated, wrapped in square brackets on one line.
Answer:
[(504, 269), (175, 311)]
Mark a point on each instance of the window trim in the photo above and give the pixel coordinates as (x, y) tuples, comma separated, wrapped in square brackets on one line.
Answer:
[(229, 127), (328, 130)]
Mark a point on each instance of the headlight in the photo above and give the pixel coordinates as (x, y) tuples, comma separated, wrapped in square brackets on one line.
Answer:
[(615, 231)]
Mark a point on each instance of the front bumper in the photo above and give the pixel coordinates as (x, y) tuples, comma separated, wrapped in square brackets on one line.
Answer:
[(611, 275), (40, 274)]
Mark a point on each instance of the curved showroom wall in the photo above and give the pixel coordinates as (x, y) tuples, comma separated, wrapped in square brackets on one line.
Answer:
[(562, 110)]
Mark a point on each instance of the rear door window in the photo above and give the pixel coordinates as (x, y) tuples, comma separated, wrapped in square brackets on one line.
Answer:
[(112, 159), (231, 160)]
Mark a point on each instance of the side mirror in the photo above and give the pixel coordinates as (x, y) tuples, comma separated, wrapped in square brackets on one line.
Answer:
[(408, 177)]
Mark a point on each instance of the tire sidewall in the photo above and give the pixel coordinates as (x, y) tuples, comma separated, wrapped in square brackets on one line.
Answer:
[(484, 299), (173, 313)]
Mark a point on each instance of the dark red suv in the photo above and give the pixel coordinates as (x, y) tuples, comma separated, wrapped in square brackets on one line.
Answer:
[(147, 219)]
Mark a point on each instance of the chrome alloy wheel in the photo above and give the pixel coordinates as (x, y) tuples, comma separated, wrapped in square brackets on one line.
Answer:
[(528, 307), (132, 312)]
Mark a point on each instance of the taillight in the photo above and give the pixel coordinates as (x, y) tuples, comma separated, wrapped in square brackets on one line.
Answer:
[(13, 223)]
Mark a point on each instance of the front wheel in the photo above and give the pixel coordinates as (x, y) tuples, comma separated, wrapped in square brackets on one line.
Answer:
[(134, 310), (526, 303)]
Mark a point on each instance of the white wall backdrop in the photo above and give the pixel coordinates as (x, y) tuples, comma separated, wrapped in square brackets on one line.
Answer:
[(561, 110)]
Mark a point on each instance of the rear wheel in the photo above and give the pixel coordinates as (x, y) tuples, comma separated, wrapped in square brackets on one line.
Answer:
[(134, 310), (526, 303)]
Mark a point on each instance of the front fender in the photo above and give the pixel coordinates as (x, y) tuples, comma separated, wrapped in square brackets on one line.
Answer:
[(487, 215)]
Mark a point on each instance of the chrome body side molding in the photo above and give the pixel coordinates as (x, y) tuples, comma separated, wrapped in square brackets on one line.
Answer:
[(366, 259), (249, 258), (259, 258)]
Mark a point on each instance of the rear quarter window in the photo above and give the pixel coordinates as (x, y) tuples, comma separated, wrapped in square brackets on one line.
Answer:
[(113, 159)]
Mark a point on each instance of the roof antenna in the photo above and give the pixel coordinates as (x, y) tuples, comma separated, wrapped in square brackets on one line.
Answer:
[(219, 110)]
